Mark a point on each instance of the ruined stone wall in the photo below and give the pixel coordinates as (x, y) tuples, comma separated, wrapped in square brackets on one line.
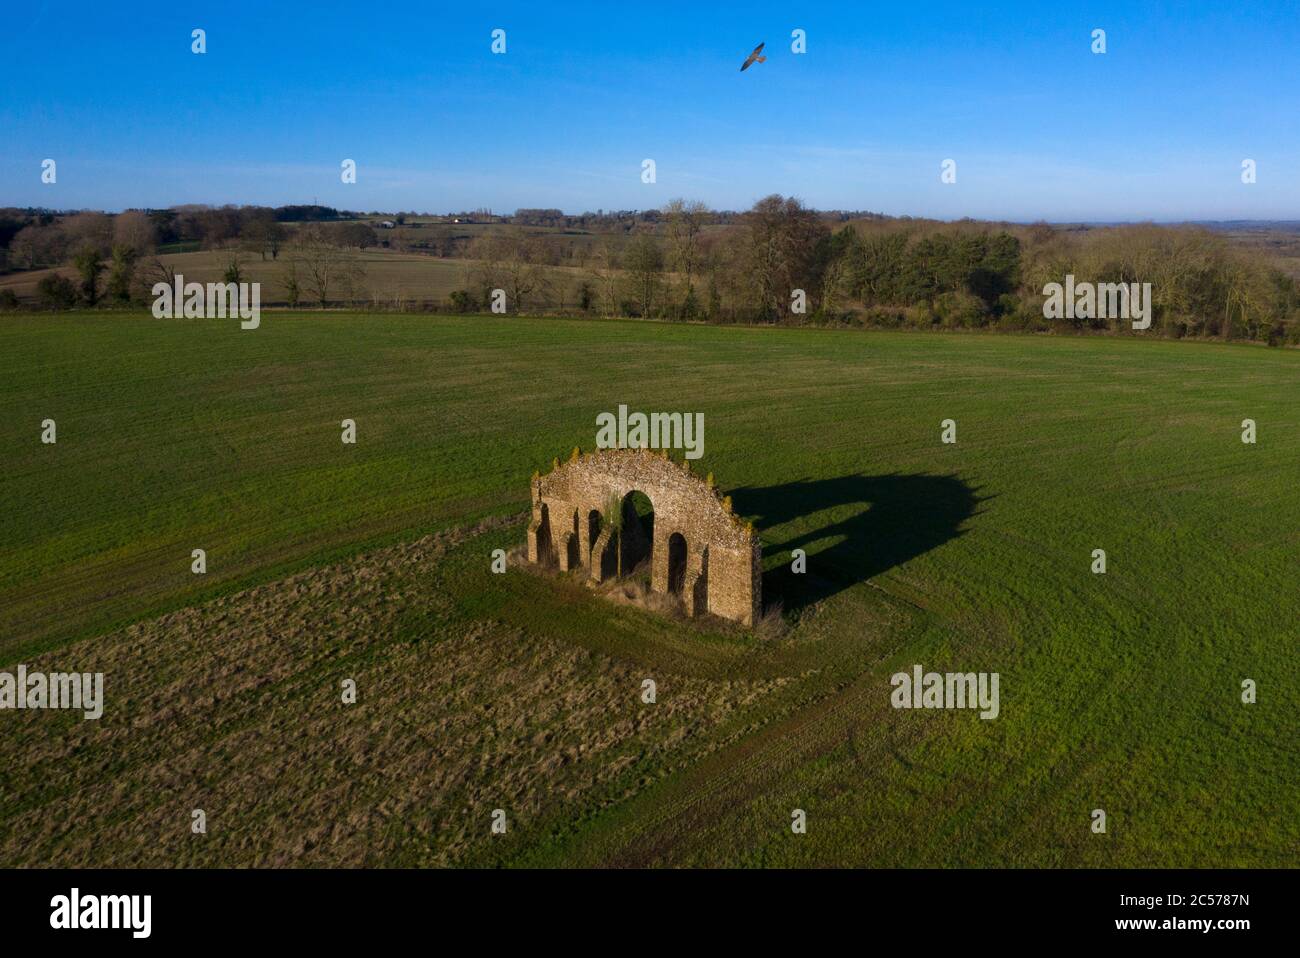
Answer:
[(722, 571)]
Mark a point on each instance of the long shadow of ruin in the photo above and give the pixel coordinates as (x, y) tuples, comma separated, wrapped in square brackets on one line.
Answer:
[(901, 517)]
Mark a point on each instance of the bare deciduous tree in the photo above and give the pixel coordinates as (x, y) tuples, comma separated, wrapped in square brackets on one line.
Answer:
[(511, 262), (605, 276), (263, 234), (94, 230), (324, 267), (783, 240), (644, 261), (686, 220), (135, 231)]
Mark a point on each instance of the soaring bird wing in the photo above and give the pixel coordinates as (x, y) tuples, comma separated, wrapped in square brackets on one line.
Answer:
[(753, 56)]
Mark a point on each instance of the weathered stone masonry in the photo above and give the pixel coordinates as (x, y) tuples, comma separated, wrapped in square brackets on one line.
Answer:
[(701, 550)]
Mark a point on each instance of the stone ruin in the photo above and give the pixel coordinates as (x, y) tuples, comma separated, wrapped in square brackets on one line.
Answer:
[(698, 548)]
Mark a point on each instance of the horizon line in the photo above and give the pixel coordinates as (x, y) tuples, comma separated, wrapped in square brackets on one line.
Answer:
[(487, 211)]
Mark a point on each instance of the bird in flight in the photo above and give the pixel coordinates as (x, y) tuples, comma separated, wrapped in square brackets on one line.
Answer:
[(754, 56)]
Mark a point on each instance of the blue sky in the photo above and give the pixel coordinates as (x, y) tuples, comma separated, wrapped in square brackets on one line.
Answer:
[(1040, 127)]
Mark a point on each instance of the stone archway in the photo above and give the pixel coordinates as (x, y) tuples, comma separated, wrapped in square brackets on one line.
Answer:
[(635, 531), (696, 545)]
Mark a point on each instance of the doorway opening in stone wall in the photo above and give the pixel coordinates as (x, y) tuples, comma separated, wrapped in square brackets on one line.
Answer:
[(545, 554), (637, 533), (574, 543), (594, 525), (676, 563)]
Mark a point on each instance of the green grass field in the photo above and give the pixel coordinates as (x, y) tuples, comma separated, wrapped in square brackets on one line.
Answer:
[(1119, 691)]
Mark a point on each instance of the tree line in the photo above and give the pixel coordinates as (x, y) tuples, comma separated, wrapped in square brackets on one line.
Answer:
[(782, 263), (118, 258), (779, 262)]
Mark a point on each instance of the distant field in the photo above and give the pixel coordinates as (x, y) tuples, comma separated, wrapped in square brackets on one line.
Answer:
[(1278, 246), (478, 691)]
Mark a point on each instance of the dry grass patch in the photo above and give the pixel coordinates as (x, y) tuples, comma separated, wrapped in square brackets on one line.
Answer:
[(235, 707)]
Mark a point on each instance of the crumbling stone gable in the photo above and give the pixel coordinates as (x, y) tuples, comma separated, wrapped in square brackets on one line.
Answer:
[(720, 568)]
